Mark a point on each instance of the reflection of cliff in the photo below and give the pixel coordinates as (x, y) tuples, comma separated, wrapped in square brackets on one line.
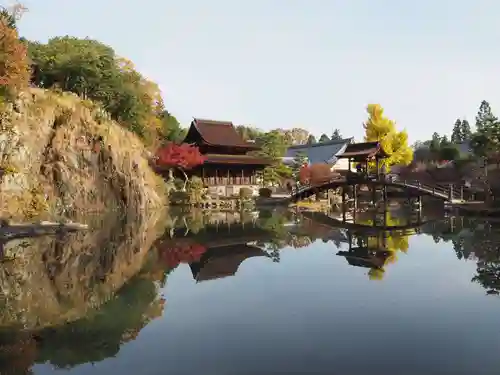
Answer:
[(56, 280), (78, 298), (94, 338), (101, 334)]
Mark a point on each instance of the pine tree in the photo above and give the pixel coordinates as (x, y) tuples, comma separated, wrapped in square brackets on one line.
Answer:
[(300, 159), (444, 142), (486, 141), (485, 116), (311, 139), (456, 134), (336, 136), (435, 144), (465, 131)]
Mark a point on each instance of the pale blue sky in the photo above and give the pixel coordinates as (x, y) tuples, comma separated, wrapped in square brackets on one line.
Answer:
[(309, 63)]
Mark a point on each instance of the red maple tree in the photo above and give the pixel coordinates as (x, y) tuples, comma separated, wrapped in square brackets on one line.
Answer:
[(305, 174), (180, 251), (316, 173), (183, 157)]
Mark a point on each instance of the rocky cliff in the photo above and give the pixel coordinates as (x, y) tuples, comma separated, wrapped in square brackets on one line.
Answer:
[(62, 156)]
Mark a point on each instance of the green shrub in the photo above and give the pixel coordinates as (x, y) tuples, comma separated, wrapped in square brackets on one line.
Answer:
[(179, 198), (195, 190), (246, 193), (265, 192), (178, 183)]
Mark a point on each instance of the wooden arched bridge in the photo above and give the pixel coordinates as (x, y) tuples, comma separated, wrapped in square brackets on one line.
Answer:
[(368, 156), (447, 193)]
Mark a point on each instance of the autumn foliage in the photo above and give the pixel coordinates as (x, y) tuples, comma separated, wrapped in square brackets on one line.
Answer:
[(316, 173), (15, 71), (175, 253), (183, 156)]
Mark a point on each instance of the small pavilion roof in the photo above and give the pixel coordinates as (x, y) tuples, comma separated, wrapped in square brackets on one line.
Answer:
[(218, 133), (363, 151)]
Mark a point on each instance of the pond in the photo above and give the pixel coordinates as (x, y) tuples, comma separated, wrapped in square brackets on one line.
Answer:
[(257, 293)]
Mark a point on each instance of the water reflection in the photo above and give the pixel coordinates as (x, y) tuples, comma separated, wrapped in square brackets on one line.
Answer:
[(73, 299), (477, 240), (79, 299)]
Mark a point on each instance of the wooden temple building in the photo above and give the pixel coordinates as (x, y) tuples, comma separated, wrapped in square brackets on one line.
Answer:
[(229, 163)]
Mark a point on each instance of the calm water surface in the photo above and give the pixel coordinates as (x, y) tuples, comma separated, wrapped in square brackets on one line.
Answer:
[(268, 293)]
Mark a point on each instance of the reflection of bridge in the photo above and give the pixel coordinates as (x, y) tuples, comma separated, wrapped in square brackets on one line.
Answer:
[(446, 193), (360, 252), (364, 229)]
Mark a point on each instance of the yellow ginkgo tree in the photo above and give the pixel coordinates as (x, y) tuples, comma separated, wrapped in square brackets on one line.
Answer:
[(380, 128)]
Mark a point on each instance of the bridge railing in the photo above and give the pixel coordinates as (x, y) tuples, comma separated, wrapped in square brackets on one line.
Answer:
[(304, 187), (448, 191)]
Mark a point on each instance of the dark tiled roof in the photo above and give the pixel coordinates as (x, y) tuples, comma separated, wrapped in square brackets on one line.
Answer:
[(324, 152), (220, 133), (224, 261), (363, 150), (236, 159)]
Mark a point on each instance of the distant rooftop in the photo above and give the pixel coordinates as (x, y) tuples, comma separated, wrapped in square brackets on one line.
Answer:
[(323, 152)]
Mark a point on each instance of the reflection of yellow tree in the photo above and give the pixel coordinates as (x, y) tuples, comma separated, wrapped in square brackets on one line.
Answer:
[(389, 241), (376, 273)]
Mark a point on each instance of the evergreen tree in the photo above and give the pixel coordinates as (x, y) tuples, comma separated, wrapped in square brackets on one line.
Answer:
[(444, 142), (485, 117), (311, 139), (300, 159), (336, 136), (456, 134), (486, 141), (323, 138), (465, 131), (273, 146), (435, 144)]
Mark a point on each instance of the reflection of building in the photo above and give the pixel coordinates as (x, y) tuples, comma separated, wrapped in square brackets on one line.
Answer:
[(363, 257), (228, 166), (226, 247), (219, 262), (370, 252)]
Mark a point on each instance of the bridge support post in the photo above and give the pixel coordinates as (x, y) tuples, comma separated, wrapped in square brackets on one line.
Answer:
[(461, 192), (355, 196), (343, 204)]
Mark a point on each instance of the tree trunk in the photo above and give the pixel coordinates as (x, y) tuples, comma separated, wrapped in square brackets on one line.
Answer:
[(186, 179)]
